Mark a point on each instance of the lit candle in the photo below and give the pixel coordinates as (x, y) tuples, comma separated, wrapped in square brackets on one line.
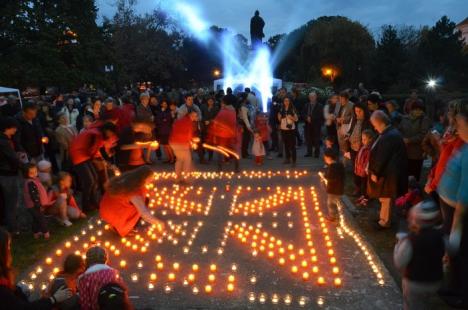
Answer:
[(208, 289), (123, 264)]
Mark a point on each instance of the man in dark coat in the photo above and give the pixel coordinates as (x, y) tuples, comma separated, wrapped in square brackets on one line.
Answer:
[(29, 137), (388, 166), (313, 119)]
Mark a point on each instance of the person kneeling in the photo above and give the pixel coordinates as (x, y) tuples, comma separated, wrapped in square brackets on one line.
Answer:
[(123, 204)]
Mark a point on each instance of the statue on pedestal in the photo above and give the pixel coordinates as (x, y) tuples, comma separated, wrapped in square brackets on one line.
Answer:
[(256, 30)]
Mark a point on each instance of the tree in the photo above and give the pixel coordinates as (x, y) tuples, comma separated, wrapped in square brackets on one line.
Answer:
[(441, 52), (389, 59), (340, 43)]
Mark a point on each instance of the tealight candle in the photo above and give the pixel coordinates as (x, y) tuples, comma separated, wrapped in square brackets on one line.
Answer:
[(153, 277), (230, 287), (123, 264), (208, 289)]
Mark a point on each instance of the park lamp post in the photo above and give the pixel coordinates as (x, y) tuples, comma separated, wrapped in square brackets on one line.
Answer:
[(216, 73), (329, 73), (431, 84)]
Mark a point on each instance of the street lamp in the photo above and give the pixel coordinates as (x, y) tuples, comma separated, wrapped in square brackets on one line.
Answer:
[(329, 72), (431, 83), (216, 72)]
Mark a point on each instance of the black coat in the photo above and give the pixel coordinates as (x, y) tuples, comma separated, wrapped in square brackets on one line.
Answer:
[(389, 162), (9, 163), (316, 116), (29, 135)]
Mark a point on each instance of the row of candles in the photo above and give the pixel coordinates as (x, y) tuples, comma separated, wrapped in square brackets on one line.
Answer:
[(245, 174)]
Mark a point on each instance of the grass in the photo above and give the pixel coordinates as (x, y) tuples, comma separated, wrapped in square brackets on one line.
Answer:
[(26, 250)]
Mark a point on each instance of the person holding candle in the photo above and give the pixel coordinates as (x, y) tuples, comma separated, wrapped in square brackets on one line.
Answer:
[(335, 180), (11, 295), (123, 204)]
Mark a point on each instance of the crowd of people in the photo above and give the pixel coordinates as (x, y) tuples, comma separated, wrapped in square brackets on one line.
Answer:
[(104, 148)]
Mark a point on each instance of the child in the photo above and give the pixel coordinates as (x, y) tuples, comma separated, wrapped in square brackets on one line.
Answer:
[(73, 267), (330, 144), (45, 173), (97, 275), (410, 199), (261, 123), (360, 166), (63, 194), (335, 177), (418, 255), (36, 200), (87, 121), (258, 148)]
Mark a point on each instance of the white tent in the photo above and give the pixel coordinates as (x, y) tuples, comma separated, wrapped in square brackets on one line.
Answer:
[(4, 90)]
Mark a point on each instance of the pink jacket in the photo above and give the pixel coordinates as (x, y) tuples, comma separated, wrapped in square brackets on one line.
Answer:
[(44, 197)]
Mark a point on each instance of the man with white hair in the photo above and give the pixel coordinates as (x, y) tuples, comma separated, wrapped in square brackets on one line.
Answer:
[(388, 166), (313, 118)]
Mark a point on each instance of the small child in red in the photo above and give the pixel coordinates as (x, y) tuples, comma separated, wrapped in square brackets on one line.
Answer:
[(261, 124), (410, 199), (360, 166), (258, 148)]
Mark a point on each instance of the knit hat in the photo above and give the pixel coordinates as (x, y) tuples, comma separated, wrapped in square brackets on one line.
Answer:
[(426, 213), (43, 165), (96, 255), (113, 296)]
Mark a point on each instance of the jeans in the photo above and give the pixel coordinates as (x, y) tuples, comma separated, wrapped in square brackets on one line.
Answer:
[(246, 135), (332, 205), (9, 185), (289, 139), (39, 224), (184, 159), (88, 178)]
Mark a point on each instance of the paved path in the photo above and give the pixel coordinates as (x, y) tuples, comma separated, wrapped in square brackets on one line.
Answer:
[(253, 240)]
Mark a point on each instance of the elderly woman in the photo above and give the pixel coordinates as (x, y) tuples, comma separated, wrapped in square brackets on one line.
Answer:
[(453, 192), (414, 128), (387, 166), (64, 133)]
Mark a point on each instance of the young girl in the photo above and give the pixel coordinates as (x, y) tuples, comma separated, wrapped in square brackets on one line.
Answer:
[(124, 202), (62, 193), (258, 148), (261, 123), (360, 166), (36, 200)]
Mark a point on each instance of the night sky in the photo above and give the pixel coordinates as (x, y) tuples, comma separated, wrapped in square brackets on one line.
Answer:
[(282, 16)]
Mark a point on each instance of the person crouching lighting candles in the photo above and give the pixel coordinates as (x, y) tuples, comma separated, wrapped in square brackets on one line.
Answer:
[(123, 203)]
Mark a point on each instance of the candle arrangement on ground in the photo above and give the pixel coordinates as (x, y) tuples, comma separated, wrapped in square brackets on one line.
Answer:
[(234, 239)]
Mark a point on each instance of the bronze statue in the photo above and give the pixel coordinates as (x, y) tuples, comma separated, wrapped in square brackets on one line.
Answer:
[(256, 29)]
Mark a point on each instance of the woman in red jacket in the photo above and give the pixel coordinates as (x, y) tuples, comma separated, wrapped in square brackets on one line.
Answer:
[(123, 204)]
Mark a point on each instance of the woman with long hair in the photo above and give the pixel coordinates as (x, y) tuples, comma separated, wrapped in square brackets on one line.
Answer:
[(123, 204), (11, 296), (288, 118)]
